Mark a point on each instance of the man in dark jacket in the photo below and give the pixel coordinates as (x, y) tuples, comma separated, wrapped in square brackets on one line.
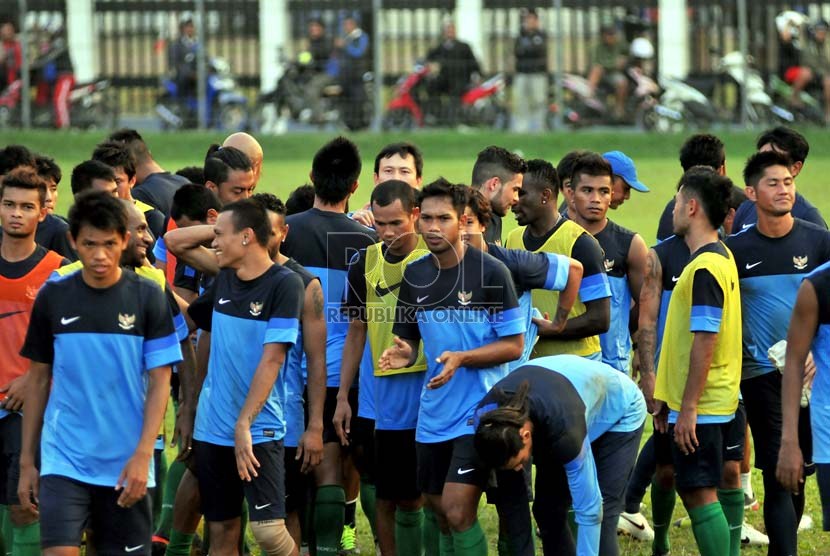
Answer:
[(457, 64)]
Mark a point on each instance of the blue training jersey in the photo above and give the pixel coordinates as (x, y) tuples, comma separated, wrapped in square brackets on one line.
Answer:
[(673, 254), (770, 272), (456, 309), (242, 316), (100, 343), (820, 402)]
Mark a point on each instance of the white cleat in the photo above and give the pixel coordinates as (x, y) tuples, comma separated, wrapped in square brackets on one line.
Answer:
[(752, 536), (636, 526)]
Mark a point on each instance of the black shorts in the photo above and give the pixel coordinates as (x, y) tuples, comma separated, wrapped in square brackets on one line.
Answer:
[(662, 447), (362, 447), (762, 397), (704, 467), (396, 468), (69, 507), (10, 429), (222, 490), (296, 482), (451, 461), (329, 434), (735, 435)]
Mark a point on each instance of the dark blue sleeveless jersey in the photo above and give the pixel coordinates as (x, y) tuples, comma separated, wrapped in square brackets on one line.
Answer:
[(456, 309), (616, 343), (324, 243), (746, 215), (100, 344), (770, 272), (673, 254), (242, 316)]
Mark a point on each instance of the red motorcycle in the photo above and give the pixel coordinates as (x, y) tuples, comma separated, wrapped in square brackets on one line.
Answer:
[(482, 105), (92, 105)]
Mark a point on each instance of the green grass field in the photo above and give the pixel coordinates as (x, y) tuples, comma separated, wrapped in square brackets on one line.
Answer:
[(288, 161)]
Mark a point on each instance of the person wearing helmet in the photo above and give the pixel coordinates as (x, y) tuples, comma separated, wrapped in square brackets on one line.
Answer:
[(608, 60)]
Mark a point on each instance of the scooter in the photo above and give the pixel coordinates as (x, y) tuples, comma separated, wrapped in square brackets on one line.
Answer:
[(92, 105), (761, 109)]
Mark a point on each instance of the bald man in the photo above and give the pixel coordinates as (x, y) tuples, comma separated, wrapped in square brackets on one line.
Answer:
[(250, 146)]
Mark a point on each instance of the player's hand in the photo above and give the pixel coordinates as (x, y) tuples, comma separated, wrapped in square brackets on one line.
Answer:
[(243, 448), (646, 383), (28, 487), (15, 391), (809, 371), (548, 327), (684, 431), (183, 432), (661, 416), (343, 420), (451, 361), (133, 480), (310, 449), (790, 470), (396, 357), (365, 217)]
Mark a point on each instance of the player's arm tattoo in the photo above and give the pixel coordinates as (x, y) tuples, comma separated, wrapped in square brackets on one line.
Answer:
[(650, 294)]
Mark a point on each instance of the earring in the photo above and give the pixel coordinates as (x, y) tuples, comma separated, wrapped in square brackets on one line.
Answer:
[(544, 202), (245, 241)]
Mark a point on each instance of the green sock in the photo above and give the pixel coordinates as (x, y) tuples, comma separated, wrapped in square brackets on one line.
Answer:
[(408, 535), (161, 476), (732, 502), (5, 532), (662, 507), (471, 542), (329, 515), (171, 485), (431, 534), (367, 502), (179, 544), (445, 545), (710, 529), (26, 540)]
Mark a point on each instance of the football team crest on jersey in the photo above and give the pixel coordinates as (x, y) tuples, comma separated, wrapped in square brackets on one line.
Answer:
[(800, 262), (126, 322), (609, 264), (256, 308), (464, 298)]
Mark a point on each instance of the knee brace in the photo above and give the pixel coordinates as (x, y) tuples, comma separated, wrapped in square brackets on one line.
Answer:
[(273, 537)]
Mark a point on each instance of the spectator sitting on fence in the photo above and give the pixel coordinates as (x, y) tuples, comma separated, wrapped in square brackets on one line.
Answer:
[(608, 61), (10, 54), (181, 58), (353, 53), (530, 85), (457, 65)]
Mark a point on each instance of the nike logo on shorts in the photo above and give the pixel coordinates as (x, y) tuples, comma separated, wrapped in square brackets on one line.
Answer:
[(465, 471), (262, 507), (733, 447), (133, 548)]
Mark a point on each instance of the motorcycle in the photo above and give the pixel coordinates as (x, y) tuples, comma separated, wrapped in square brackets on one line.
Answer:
[(680, 106), (761, 109), (92, 105), (227, 107), (808, 110)]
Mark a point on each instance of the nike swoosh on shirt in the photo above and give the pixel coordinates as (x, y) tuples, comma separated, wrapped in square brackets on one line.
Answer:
[(421, 299), (223, 301), (639, 526), (66, 321), (380, 291), (751, 266), (133, 548), (4, 315), (675, 278)]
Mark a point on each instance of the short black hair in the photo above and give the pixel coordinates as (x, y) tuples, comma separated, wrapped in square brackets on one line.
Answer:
[(702, 149), (270, 202), (541, 174), (759, 162), (14, 156), (455, 193), (786, 140), (193, 201), (497, 438), (335, 168), (85, 172), (712, 190), (115, 155), (590, 164), (25, 177), (386, 193), (403, 150), (566, 163), (98, 210), (47, 168), (248, 213), (220, 161), (497, 162), (300, 200), (134, 143), (193, 174), (480, 205)]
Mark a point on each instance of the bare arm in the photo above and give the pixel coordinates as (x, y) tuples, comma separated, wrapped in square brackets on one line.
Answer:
[(501, 351), (703, 348), (185, 416), (352, 355), (595, 320), (37, 394), (188, 244), (568, 296), (651, 293), (314, 345), (637, 256)]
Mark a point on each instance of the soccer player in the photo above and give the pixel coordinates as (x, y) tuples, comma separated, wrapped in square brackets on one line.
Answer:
[(396, 161), (498, 174), (624, 178), (93, 175), (24, 267), (229, 173), (699, 370), (460, 304), (590, 194), (543, 229), (96, 463), (374, 280), (323, 240), (251, 147), (581, 421), (773, 256), (48, 169), (238, 437)]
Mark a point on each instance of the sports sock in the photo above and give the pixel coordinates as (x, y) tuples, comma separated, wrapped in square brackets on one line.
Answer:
[(431, 534), (640, 477), (710, 529), (161, 476), (446, 546), (329, 518), (5, 531), (171, 485), (746, 484), (732, 503), (471, 542), (408, 534), (662, 507), (179, 544), (367, 502), (350, 513), (26, 540)]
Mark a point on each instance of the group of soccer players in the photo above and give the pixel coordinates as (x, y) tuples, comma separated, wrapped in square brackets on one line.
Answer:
[(408, 353)]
